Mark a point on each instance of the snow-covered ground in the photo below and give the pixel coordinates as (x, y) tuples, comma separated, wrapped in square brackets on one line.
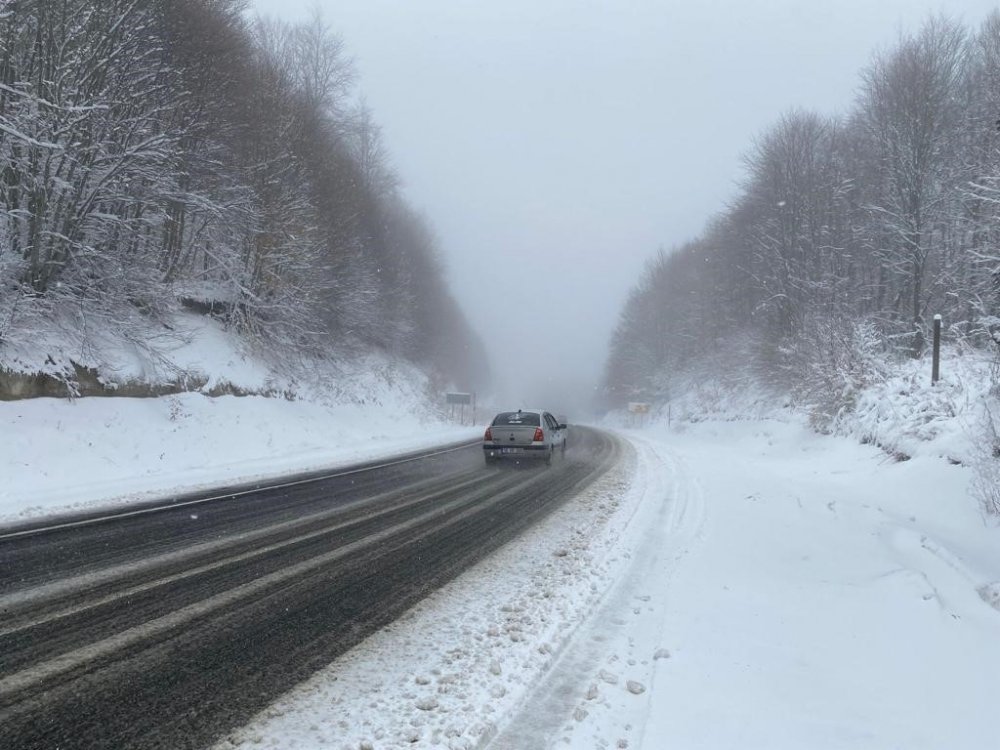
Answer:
[(58, 455), (731, 584)]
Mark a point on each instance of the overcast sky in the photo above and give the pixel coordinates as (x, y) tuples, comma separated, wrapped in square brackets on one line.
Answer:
[(554, 145)]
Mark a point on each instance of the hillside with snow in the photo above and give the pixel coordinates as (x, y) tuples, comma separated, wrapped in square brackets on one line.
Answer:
[(247, 417)]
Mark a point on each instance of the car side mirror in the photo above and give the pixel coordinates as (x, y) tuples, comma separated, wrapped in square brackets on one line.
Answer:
[(561, 426)]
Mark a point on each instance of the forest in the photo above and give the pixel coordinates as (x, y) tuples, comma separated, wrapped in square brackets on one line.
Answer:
[(848, 234), (159, 156)]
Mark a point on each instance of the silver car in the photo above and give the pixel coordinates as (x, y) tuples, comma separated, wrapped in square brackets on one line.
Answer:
[(524, 435)]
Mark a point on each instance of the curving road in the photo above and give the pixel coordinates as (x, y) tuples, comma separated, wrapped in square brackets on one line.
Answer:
[(164, 627)]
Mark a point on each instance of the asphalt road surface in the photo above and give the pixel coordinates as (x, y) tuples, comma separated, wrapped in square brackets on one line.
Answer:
[(165, 627)]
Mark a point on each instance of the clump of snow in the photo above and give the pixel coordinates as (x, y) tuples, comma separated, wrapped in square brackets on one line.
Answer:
[(990, 592)]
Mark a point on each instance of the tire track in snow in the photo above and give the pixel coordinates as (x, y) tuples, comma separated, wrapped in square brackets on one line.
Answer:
[(668, 517)]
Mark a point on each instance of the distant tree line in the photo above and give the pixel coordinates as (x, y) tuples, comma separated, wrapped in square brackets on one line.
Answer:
[(158, 153), (847, 236)]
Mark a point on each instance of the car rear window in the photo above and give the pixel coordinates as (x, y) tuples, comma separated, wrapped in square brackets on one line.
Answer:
[(527, 419)]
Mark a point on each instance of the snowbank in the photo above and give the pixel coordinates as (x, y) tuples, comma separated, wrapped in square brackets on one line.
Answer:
[(59, 454)]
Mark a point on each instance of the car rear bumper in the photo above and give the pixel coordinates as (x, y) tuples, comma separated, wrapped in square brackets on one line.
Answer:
[(516, 452)]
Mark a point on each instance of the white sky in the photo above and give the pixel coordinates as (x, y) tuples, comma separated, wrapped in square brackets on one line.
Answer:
[(554, 145)]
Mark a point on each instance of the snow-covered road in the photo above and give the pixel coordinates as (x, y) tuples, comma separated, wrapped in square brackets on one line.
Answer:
[(742, 584)]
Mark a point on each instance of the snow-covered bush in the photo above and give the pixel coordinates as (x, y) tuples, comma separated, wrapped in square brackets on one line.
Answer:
[(905, 414), (830, 364)]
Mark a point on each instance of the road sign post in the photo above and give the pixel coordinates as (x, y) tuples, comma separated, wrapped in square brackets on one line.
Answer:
[(637, 412), (460, 400)]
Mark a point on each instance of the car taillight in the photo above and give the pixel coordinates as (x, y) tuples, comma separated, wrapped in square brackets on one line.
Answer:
[(539, 435), (488, 435)]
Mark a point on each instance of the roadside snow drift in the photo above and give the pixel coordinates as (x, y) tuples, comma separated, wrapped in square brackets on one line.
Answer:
[(59, 455)]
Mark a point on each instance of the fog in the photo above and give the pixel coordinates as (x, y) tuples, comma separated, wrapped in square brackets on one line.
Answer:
[(555, 145)]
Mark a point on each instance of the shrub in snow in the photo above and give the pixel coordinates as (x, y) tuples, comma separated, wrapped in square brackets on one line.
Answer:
[(905, 414), (830, 364)]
